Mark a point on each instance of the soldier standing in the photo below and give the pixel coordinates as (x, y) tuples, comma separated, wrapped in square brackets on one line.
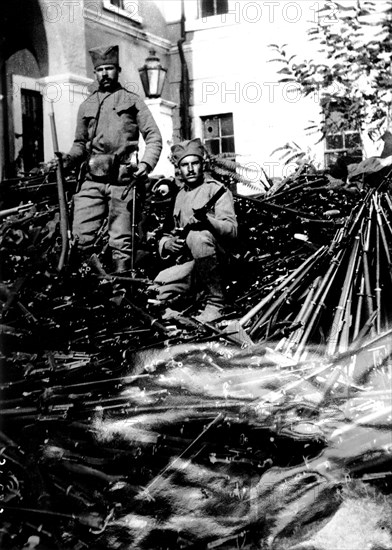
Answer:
[(107, 132)]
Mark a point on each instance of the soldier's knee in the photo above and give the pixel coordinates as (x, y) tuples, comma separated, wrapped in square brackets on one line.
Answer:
[(201, 243)]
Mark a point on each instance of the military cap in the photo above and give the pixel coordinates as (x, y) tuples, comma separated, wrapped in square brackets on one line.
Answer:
[(186, 148), (104, 55)]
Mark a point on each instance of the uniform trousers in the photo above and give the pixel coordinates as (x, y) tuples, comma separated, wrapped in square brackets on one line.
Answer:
[(178, 279), (94, 203)]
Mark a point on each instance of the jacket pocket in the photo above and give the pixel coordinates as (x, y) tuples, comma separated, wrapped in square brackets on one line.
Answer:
[(127, 114), (89, 117)]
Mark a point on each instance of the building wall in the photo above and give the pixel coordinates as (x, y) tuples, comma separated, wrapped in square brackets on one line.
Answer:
[(229, 61), (95, 24), (60, 36), (231, 72)]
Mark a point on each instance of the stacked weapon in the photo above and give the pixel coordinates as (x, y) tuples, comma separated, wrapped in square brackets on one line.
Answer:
[(119, 428), (195, 444), (340, 293), (64, 222)]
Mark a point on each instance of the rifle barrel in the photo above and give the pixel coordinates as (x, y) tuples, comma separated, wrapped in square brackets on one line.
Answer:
[(64, 229), (15, 210)]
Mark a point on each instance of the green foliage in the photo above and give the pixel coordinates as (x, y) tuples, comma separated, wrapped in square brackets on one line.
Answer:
[(355, 77)]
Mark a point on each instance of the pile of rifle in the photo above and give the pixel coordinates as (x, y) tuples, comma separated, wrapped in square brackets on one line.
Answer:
[(337, 294), (122, 430)]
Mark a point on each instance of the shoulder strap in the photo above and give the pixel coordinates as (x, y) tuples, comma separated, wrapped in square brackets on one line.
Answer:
[(90, 149)]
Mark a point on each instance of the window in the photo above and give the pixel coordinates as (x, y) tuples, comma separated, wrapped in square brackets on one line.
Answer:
[(126, 8), (218, 133), (208, 8), (344, 142)]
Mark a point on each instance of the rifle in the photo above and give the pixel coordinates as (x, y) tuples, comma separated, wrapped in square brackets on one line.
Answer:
[(200, 213), (16, 210), (132, 166), (269, 205), (64, 222)]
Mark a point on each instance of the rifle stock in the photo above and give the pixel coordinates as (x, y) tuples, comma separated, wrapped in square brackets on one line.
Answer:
[(64, 222), (200, 213)]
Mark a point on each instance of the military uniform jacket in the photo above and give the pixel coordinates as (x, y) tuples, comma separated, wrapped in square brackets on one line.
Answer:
[(222, 216), (121, 116)]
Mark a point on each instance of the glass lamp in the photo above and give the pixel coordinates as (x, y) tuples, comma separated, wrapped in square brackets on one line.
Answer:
[(152, 75)]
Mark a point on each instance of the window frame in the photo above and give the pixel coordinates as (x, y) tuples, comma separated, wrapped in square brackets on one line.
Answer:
[(329, 152), (219, 117), (215, 9), (20, 83), (133, 15)]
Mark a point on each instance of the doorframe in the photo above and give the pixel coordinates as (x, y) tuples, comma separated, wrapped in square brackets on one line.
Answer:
[(19, 83)]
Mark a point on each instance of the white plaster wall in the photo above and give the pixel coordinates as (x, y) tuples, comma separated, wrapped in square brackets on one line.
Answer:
[(161, 110), (65, 31), (231, 71), (64, 93), (229, 62)]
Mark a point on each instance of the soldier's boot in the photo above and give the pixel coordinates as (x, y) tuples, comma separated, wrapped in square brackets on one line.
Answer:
[(82, 254), (121, 265), (81, 258), (121, 268), (209, 271)]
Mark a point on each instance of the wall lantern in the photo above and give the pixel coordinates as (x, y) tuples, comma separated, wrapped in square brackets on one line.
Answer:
[(152, 75)]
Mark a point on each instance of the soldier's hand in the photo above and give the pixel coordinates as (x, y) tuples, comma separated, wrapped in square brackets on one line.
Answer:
[(197, 224), (53, 163), (199, 214), (142, 171), (67, 161), (174, 245)]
